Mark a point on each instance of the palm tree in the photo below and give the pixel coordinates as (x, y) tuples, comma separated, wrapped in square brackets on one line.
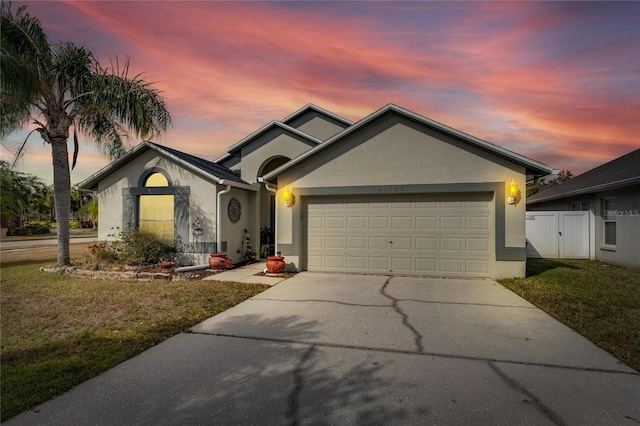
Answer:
[(59, 86)]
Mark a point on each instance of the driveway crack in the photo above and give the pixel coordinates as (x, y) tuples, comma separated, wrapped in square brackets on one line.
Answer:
[(337, 302), (298, 383), (405, 317), (531, 398)]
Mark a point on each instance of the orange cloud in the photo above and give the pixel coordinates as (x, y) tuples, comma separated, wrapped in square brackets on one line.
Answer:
[(554, 81)]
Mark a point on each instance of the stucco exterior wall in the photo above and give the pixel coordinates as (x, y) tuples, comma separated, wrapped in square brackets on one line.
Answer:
[(395, 154), (274, 143), (232, 233), (317, 125), (115, 213)]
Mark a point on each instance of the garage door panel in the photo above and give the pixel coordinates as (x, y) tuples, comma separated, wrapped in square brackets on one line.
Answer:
[(402, 243), (379, 222), (379, 243), (358, 242), (356, 222), (452, 266), (477, 222), (401, 222), (423, 234), (477, 245), (426, 222), (402, 264), (451, 244), (334, 242), (378, 205), (427, 202), (334, 223), (451, 223), (335, 206), (334, 262), (356, 262), (355, 205), (451, 202), (426, 243), (426, 266), (379, 263)]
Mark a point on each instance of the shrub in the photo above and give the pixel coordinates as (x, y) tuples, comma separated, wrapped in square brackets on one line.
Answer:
[(104, 251), (144, 248), (36, 228), (134, 247), (75, 224)]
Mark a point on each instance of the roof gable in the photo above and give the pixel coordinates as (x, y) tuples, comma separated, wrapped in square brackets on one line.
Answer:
[(314, 108), (219, 174), (619, 172), (533, 167), (261, 131)]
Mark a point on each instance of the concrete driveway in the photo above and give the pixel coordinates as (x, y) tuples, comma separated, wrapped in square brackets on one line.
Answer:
[(363, 349)]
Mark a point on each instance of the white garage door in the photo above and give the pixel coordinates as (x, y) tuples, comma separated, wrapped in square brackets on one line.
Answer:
[(443, 235)]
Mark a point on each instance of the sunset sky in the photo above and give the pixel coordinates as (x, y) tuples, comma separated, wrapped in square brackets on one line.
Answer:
[(558, 82)]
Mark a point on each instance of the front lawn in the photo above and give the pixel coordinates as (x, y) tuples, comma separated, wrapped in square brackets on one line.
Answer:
[(58, 331), (596, 299)]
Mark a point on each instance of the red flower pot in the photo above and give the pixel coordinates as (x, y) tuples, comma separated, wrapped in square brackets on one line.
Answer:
[(275, 264), (220, 261)]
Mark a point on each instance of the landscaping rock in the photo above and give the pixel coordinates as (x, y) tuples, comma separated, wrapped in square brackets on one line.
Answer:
[(145, 276)]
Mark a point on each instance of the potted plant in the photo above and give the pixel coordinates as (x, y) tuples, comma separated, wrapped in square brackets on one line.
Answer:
[(220, 261), (275, 264)]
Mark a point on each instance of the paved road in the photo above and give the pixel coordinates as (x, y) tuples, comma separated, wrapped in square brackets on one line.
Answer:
[(6, 245), (330, 349)]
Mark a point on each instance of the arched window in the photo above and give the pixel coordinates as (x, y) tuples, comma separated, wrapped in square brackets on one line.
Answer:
[(157, 211)]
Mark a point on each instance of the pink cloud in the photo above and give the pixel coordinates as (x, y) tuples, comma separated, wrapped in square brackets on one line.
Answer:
[(511, 73)]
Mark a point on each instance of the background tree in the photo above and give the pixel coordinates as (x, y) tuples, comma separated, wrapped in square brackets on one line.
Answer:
[(59, 86), (23, 196), (543, 184)]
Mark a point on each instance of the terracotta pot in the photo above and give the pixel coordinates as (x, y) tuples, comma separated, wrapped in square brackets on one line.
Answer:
[(166, 265), (220, 261), (275, 264)]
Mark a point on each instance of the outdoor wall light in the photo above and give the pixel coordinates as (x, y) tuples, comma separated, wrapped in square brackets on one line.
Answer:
[(513, 192), (288, 197)]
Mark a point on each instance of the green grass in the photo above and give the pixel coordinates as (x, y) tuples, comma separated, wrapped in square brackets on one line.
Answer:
[(58, 331), (596, 299)]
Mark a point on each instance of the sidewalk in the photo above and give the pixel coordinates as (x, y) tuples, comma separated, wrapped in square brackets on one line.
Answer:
[(247, 274)]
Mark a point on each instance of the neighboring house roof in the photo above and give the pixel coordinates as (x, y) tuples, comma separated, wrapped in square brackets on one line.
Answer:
[(311, 107), (533, 167), (622, 171), (215, 172), (233, 149)]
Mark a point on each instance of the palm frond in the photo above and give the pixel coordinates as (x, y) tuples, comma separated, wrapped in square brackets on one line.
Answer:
[(24, 66)]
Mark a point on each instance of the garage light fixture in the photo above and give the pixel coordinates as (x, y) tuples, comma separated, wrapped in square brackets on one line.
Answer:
[(288, 197), (514, 192)]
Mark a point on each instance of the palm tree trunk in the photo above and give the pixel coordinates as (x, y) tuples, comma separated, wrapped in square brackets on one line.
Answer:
[(62, 195)]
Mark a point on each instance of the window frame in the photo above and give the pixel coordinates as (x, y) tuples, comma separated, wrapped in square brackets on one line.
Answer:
[(151, 190), (607, 219)]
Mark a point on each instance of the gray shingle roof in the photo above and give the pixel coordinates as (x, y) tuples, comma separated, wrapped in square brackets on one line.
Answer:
[(215, 172), (622, 171), (210, 167)]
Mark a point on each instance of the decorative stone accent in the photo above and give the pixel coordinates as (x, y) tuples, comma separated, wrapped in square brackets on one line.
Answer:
[(145, 276), (117, 275)]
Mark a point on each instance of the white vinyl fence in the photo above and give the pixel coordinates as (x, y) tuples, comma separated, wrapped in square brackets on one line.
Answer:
[(558, 235)]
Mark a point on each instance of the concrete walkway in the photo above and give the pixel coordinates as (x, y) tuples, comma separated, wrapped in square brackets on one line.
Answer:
[(247, 274), (363, 349)]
